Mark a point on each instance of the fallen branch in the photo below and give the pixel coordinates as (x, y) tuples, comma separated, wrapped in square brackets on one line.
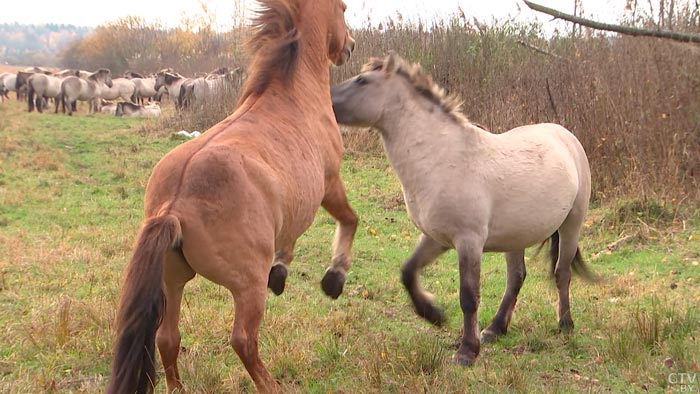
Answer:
[(632, 31), (612, 246)]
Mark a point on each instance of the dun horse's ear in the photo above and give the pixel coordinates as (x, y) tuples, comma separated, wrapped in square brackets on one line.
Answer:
[(390, 62)]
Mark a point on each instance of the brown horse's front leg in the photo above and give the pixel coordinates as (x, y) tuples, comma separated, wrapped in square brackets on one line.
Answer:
[(469, 254), (278, 273), (336, 203)]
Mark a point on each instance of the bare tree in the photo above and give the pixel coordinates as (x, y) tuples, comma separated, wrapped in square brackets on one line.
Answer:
[(672, 35)]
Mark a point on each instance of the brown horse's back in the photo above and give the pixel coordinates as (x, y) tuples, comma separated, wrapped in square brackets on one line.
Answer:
[(235, 167)]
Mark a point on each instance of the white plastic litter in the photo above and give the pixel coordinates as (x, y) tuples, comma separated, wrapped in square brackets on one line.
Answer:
[(189, 134)]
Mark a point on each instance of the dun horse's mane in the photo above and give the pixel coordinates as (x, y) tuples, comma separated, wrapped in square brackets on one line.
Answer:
[(274, 45), (451, 104)]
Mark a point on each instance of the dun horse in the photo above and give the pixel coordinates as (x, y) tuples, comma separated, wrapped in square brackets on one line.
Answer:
[(471, 190), (231, 204), (121, 88), (85, 89), (41, 87), (173, 83)]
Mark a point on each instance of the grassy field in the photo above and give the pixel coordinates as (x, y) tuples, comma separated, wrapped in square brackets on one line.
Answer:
[(71, 194)]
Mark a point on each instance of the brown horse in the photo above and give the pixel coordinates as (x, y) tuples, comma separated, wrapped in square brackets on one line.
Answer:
[(231, 204)]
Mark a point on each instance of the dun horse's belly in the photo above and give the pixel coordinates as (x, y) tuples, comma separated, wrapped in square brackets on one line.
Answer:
[(510, 230)]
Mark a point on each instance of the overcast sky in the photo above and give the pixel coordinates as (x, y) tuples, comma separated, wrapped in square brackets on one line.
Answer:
[(170, 12)]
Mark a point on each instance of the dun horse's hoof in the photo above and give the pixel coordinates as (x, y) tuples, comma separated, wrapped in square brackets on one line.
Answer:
[(277, 278), (489, 336), (463, 360), (332, 283), (433, 314), (566, 327)]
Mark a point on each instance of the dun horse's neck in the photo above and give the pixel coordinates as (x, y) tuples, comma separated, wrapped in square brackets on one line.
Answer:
[(420, 142)]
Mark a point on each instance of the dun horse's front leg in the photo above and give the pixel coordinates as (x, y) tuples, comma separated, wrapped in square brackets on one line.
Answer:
[(336, 203), (514, 281), (426, 252), (469, 254)]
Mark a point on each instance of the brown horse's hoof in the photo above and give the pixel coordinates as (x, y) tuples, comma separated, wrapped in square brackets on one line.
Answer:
[(463, 360), (277, 278), (332, 283)]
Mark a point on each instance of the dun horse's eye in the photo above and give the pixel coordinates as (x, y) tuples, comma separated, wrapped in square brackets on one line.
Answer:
[(361, 81)]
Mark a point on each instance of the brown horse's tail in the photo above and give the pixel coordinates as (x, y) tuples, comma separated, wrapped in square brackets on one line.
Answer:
[(579, 265), (141, 308)]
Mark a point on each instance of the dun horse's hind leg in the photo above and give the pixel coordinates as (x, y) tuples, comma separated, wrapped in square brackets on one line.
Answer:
[(176, 273), (278, 272), (336, 203), (568, 245), (426, 252), (515, 277)]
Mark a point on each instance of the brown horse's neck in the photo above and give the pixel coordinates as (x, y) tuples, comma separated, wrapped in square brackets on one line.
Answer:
[(309, 86)]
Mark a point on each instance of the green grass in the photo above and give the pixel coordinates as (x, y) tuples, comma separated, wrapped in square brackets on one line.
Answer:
[(71, 192)]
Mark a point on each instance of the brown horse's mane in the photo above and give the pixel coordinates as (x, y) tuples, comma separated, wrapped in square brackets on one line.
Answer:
[(274, 45), (451, 104)]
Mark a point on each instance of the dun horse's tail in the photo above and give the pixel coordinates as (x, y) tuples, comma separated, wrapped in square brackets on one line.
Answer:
[(30, 97), (141, 308), (579, 266)]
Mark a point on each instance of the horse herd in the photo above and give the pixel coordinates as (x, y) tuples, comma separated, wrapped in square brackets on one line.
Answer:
[(133, 94)]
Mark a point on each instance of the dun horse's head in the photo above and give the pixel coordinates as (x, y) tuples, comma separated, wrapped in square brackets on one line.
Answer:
[(165, 77), (341, 44), (363, 99), (103, 75)]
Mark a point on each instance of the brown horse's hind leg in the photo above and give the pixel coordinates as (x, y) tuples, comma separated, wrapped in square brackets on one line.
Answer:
[(336, 203), (515, 277), (426, 252), (278, 272), (176, 273), (249, 308)]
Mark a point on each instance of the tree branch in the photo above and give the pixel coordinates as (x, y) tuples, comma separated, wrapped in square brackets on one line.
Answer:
[(672, 35), (540, 50)]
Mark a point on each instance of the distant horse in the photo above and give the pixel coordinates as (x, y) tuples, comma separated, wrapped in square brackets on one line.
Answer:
[(3, 90), (217, 72), (132, 74), (172, 83), (144, 88), (23, 76), (128, 109), (67, 73), (108, 107), (194, 90), (230, 205), (88, 89), (121, 88), (41, 87), (471, 190), (8, 83)]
